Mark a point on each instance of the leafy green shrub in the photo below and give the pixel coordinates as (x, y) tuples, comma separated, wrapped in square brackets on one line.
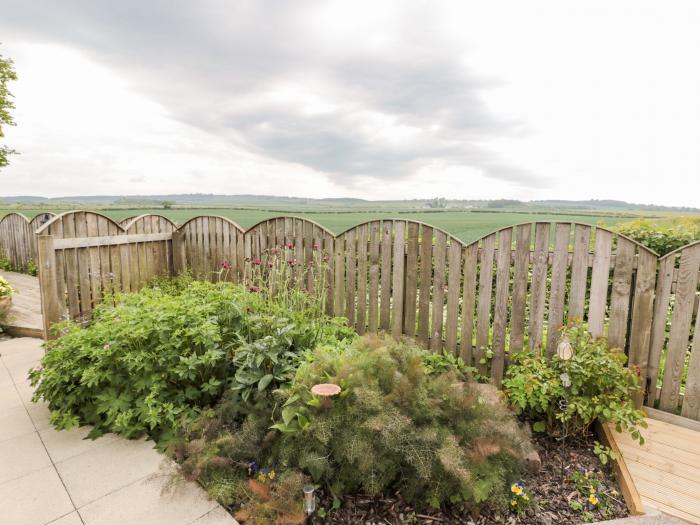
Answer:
[(395, 426), (662, 236), (567, 396), (164, 353)]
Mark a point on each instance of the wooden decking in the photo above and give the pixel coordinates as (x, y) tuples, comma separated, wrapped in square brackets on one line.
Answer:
[(24, 319), (665, 470)]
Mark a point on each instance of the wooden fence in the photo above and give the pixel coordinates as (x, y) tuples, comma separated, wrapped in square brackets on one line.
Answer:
[(17, 240), (483, 300)]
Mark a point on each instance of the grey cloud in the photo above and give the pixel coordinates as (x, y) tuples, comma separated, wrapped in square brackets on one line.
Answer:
[(200, 59)]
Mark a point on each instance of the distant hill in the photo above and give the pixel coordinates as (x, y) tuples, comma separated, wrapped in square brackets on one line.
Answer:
[(273, 201)]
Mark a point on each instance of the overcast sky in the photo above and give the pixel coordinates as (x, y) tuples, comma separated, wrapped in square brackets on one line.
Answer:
[(376, 99)]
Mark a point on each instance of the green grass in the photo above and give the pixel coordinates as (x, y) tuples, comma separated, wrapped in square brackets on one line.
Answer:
[(467, 225)]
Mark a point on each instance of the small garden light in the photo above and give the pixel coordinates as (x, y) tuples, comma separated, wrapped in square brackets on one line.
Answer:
[(309, 499)]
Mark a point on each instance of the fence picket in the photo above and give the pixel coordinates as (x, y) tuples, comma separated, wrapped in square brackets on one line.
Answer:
[(599, 282), (523, 233), (483, 320), (686, 291), (538, 288), (436, 321), (397, 287), (505, 241), (557, 294), (454, 277)]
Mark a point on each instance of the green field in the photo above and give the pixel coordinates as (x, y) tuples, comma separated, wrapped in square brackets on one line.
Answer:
[(467, 225)]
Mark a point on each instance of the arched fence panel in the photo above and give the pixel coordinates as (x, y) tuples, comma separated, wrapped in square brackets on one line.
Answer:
[(210, 248), (292, 251), (15, 240), (150, 258)]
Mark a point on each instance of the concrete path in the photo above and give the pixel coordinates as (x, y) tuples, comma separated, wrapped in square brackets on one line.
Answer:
[(60, 478), (24, 318)]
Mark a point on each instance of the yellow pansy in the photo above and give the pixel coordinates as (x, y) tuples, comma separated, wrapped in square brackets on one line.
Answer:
[(593, 499)]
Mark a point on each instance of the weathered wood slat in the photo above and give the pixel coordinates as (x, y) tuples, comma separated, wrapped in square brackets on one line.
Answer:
[(621, 293), (83, 266), (642, 311), (411, 292), (454, 278), (438, 304), (483, 320), (658, 326), (555, 317), (426, 272), (385, 278), (599, 282), (397, 286), (691, 399), (680, 328), (521, 264), (538, 289), (579, 271), (109, 240), (50, 309), (505, 240), (361, 319), (350, 276), (339, 275), (466, 344), (374, 269)]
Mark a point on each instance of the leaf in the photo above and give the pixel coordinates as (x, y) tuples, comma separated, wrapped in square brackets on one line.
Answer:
[(264, 382), (539, 426)]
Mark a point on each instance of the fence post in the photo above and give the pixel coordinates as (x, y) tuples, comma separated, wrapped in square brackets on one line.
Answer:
[(48, 289), (178, 247)]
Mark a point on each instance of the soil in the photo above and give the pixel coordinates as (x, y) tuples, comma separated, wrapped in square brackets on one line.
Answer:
[(551, 492)]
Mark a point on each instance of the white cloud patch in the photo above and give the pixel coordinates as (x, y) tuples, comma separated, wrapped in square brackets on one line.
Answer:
[(391, 99)]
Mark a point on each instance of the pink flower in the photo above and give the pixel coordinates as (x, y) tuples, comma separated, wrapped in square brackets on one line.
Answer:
[(254, 289), (226, 265), (290, 245), (315, 246), (256, 262), (269, 265)]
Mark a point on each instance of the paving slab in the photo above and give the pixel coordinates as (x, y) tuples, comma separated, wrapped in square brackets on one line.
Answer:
[(62, 478), (34, 499)]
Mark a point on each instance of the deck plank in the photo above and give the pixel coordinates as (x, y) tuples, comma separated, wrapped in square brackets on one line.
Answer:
[(666, 468), (24, 318)]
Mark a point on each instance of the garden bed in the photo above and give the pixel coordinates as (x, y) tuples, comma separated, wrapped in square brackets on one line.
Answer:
[(229, 381), (551, 491)]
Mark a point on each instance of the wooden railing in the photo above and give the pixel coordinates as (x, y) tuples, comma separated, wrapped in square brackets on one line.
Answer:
[(484, 300)]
